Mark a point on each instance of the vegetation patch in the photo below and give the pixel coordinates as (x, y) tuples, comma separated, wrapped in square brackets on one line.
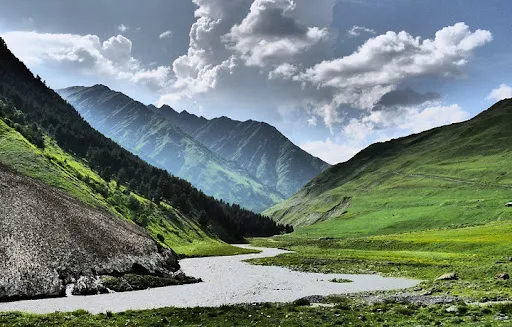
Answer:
[(132, 282), (343, 312), (341, 280)]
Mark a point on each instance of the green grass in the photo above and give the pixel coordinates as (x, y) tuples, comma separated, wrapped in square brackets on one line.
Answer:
[(58, 169), (339, 312), (475, 253)]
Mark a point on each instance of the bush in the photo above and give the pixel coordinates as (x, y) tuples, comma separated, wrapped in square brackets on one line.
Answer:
[(301, 302), (161, 238)]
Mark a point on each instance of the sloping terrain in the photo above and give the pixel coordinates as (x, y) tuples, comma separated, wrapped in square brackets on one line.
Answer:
[(163, 144), (47, 238), (257, 147), (455, 175), (43, 137)]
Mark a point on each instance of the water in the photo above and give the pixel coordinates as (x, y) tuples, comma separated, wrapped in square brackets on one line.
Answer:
[(227, 280)]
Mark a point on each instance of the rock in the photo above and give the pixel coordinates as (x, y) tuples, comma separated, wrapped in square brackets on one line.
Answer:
[(502, 276), (449, 276), (86, 285), (39, 257), (452, 309)]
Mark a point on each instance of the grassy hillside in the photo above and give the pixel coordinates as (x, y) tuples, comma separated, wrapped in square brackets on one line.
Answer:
[(162, 143), (457, 175), (419, 206), (56, 168)]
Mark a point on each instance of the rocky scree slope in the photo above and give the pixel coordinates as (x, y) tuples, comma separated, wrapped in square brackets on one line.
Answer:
[(48, 239)]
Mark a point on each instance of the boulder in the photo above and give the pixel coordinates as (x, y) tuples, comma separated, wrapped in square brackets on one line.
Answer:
[(452, 309), (502, 276), (86, 285), (449, 276)]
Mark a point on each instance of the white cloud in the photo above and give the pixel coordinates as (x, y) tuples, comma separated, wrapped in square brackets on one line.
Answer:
[(403, 121), (312, 121), (86, 54), (502, 92), (166, 35), (284, 71), (331, 152), (122, 28), (382, 126), (393, 57), (385, 61), (358, 30), (270, 33), (419, 120), (244, 42)]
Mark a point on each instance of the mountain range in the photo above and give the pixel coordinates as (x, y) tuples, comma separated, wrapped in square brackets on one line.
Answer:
[(248, 163)]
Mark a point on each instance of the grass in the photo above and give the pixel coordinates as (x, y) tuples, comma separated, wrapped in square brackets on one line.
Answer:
[(59, 169), (339, 312), (475, 253)]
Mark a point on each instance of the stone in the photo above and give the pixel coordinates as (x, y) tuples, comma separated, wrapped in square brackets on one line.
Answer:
[(87, 285), (449, 276), (452, 309), (502, 276)]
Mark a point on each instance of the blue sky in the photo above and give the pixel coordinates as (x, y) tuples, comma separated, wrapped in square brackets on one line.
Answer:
[(333, 76)]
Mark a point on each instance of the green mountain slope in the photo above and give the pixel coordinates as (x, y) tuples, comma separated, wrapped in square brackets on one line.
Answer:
[(255, 146), (451, 176), (56, 168), (155, 139), (45, 138)]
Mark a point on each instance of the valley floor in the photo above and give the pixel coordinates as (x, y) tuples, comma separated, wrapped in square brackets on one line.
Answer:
[(476, 298)]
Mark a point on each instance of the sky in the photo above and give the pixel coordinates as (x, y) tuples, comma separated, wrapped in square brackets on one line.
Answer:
[(332, 75)]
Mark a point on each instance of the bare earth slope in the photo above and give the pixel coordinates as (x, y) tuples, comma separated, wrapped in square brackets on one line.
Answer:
[(47, 238)]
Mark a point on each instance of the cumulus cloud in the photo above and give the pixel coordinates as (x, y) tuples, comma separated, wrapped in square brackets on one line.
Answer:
[(284, 71), (244, 43), (166, 35), (502, 92), (381, 126), (405, 97), (386, 61), (392, 57), (270, 33), (122, 28), (358, 30), (86, 54), (408, 120), (331, 152)]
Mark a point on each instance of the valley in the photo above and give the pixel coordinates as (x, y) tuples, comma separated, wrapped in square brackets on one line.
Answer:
[(196, 192)]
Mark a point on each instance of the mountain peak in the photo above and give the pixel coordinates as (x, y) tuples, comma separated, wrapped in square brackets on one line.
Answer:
[(101, 87)]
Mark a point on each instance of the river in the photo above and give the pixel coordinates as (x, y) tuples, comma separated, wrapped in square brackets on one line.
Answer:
[(226, 280)]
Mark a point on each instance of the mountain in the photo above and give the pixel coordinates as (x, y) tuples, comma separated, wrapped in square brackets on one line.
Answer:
[(161, 143), (450, 176), (257, 147), (43, 137)]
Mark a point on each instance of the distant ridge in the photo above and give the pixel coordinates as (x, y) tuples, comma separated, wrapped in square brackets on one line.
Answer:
[(256, 146)]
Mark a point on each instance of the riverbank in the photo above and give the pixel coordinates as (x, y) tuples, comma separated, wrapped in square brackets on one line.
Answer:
[(227, 280), (334, 311)]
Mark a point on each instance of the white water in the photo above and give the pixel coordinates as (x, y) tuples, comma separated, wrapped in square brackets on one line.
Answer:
[(227, 280)]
